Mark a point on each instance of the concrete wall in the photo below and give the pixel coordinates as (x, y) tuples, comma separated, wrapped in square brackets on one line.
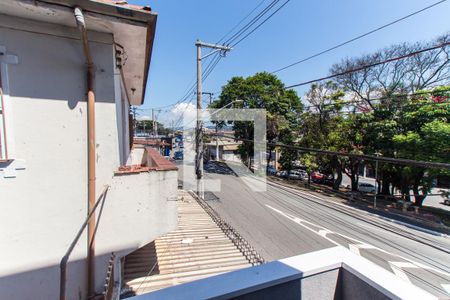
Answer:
[(44, 203), (333, 273)]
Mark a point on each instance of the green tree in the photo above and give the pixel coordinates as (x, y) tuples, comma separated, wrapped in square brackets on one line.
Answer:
[(424, 135), (264, 91), (146, 126)]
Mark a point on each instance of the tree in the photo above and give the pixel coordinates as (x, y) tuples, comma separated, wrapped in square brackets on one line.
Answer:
[(317, 125), (288, 155), (309, 161), (146, 126), (265, 91), (407, 75), (376, 92), (424, 135)]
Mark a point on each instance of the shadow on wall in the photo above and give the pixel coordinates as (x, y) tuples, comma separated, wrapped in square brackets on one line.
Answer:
[(43, 283), (54, 68), (140, 264)]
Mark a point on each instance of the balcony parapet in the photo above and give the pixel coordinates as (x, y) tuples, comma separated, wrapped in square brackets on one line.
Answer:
[(145, 159), (334, 273)]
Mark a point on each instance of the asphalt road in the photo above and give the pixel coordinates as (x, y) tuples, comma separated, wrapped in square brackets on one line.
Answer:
[(283, 222)]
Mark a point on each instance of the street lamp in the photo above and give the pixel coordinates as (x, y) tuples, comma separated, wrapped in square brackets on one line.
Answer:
[(215, 112)]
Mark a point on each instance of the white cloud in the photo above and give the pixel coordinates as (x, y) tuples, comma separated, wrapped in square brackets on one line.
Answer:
[(143, 118), (187, 112)]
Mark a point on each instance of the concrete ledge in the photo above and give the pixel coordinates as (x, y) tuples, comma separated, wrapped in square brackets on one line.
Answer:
[(333, 273)]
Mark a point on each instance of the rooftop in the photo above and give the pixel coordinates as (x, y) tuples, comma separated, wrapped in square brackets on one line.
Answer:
[(133, 29)]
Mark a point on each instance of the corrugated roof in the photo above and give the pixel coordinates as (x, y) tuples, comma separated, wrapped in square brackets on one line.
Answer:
[(197, 249)]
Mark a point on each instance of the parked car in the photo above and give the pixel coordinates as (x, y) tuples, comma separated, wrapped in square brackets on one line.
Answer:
[(178, 155), (317, 177), (282, 174), (271, 170), (293, 174), (447, 202), (302, 173), (328, 180), (366, 187)]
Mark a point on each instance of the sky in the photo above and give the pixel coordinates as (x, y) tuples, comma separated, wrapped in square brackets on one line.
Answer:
[(300, 29)]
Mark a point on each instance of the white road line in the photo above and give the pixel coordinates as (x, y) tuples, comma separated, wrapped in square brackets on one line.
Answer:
[(395, 266), (355, 247), (302, 193), (300, 222), (398, 270), (446, 287), (324, 232)]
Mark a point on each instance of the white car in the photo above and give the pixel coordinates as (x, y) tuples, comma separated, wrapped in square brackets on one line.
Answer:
[(366, 187)]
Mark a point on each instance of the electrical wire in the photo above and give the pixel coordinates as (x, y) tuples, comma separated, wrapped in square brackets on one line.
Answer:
[(399, 161), (358, 37), (240, 22), (215, 60), (370, 65), (260, 24), (382, 98), (208, 70), (251, 22)]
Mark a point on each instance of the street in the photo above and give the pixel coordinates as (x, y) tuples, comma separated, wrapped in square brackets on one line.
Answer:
[(283, 222)]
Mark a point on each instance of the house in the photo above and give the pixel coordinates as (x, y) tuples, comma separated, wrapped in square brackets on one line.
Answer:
[(223, 147), (226, 150), (70, 69)]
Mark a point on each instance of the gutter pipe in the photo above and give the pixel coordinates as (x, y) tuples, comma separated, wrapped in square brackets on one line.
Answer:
[(79, 17)]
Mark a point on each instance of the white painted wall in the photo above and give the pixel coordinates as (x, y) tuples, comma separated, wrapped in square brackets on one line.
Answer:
[(44, 205)]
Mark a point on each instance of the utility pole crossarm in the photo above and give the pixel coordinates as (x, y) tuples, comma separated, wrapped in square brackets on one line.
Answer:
[(212, 46)]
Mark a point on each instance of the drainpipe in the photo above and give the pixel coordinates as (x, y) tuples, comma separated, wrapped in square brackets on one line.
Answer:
[(91, 148)]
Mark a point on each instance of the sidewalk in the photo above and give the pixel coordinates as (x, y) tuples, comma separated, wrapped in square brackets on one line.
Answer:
[(199, 248), (423, 218)]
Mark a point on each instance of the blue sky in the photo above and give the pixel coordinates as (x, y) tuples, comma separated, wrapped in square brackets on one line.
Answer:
[(298, 30)]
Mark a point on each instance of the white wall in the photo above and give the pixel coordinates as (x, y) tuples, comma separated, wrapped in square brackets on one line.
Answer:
[(42, 208)]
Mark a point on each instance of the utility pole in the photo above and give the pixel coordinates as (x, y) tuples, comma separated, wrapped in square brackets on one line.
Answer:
[(376, 181), (156, 126), (133, 112), (153, 122), (199, 130), (217, 138), (210, 96)]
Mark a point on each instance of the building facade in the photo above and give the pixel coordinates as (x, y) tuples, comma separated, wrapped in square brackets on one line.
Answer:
[(44, 145)]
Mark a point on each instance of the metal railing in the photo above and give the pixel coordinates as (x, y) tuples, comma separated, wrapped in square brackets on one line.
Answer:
[(108, 287), (65, 259)]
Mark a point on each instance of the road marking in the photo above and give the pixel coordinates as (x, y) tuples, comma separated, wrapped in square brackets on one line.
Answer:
[(446, 287), (355, 247), (345, 206), (396, 266), (324, 232)]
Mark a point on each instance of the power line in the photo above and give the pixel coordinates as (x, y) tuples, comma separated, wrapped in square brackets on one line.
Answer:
[(382, 98), (240, 22), (398, 161), (260, 24), (358, 37), (252, 22), (208, 70), (370, 65), (214, 62)]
